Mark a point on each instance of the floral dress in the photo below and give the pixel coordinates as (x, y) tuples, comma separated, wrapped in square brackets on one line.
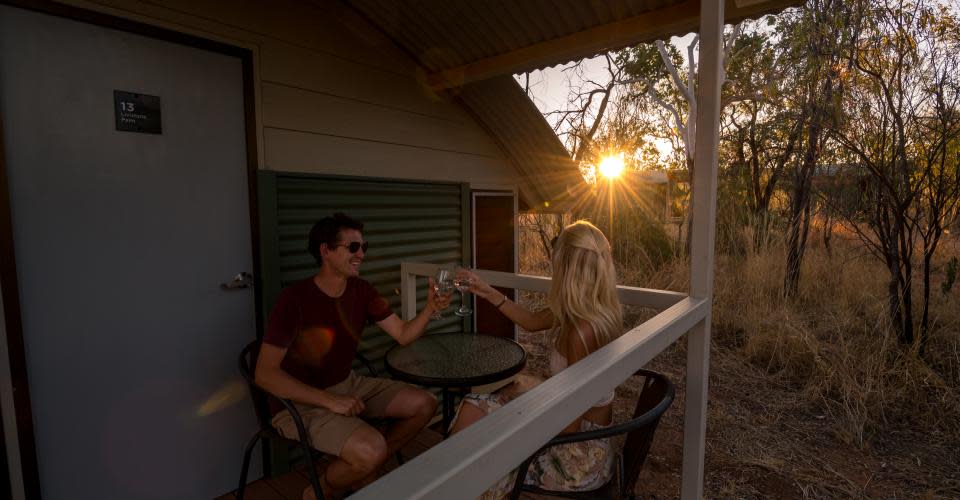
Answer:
[(579, 466)]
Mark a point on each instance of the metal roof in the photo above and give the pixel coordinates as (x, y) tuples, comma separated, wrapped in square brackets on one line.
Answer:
[(545, 166), (473, 46), (443, 34)]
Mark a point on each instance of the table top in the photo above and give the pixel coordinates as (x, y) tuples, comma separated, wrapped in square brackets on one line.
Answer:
[(456, 360)]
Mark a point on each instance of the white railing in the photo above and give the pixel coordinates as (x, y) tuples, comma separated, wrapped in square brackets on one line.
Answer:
[(633, 296), (467, 463)]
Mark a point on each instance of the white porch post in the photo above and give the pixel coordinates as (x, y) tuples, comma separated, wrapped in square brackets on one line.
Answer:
[(702, 242), (408, 295)]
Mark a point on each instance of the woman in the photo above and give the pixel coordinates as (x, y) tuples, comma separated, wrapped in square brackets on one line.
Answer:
[(584, 314)]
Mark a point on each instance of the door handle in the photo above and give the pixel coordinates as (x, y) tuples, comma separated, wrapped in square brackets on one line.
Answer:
[(242, 280)]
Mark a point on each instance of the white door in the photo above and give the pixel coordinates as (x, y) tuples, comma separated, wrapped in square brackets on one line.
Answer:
[(121, 241)]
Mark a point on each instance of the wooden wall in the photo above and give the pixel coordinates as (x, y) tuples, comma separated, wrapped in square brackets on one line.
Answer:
[(334, 95)]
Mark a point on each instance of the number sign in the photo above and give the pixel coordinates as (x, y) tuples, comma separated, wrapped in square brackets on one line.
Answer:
[(136, 112)]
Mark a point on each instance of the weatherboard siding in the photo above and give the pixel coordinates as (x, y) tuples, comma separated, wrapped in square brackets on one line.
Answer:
[(334, 95)]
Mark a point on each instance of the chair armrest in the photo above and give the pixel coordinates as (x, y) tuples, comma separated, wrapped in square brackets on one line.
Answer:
[(649, 417), (605, 432), (302, 435)]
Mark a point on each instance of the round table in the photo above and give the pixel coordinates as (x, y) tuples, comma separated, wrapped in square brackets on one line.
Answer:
[(455, 360)]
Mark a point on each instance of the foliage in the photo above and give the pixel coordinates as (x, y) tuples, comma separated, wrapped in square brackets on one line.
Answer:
[(640, 241), (950, 275), (899, 128)]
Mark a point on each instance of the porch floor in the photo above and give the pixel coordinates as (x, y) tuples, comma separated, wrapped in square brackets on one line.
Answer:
[(290, 486)]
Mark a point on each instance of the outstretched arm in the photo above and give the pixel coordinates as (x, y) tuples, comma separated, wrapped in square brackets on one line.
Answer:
[(405, 332), (523, 317)]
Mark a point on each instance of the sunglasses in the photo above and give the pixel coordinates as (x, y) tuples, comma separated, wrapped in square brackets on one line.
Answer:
[(354, 246)]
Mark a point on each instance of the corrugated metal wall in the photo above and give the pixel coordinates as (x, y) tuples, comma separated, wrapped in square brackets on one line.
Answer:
[(403, 221)]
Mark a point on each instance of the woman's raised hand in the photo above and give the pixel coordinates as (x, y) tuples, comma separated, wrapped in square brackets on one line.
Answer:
[(478, 287)]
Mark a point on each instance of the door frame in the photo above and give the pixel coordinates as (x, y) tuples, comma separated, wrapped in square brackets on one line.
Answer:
[(25, 479)]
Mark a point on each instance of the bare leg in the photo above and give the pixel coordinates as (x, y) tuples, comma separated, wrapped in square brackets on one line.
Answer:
[(467, 416), (364, 451), (413, 408), (470, 413)]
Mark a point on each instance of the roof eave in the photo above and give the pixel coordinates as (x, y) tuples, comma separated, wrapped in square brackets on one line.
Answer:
[(676, 19)]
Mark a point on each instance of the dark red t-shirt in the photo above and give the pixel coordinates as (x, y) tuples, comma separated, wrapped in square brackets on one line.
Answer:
[(321, 333)]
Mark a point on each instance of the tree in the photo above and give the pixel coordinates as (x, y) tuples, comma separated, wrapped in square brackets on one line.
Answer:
[(576, 126), (814, 39), (659, 89), (901, 128), (761, 132), (590, 101), (936, 148)]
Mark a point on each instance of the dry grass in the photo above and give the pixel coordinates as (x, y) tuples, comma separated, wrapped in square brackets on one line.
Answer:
[(832, 341), (812, 396)]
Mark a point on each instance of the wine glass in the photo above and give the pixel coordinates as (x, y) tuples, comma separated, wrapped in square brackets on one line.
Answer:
[(442, 285), (463, 285)]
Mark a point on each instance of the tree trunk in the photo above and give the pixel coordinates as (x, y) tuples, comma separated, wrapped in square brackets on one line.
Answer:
[(925, 315), (761, 225), (907, 338), (800, 202), (796, 244), (895, 288), (818, 101), (827, 233)]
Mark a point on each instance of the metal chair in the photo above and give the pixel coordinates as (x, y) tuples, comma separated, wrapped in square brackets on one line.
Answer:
[(656, 395), (248, 363)]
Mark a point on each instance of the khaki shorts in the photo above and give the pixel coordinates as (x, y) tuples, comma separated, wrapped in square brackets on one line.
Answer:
[(328, 430)]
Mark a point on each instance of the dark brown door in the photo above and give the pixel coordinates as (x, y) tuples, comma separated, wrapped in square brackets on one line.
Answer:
[(494, 222)]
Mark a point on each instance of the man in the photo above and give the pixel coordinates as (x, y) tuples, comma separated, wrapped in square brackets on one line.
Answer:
[(311, 340)]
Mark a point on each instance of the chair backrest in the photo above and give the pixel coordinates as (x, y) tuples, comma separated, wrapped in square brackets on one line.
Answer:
[(656, 395), (248, 364)]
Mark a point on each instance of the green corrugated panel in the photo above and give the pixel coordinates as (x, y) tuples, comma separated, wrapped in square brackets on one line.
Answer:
[(403, 221)]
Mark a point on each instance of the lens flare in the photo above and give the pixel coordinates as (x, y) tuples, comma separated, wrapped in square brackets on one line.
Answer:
[(223, 398), (611, 166)]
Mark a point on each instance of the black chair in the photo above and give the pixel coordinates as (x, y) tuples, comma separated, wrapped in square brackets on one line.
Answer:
[(248, 362), (656, 395)]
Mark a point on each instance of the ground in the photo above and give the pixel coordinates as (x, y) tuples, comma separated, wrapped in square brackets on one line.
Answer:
[(765, 440)]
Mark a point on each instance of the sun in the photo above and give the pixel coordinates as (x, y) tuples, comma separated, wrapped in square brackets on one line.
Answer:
[(611, 166)]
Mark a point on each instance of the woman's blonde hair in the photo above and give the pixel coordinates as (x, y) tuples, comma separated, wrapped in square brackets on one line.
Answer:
[(584, 287)]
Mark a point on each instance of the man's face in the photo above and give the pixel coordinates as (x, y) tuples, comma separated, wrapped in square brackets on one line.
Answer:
[(339, 257)]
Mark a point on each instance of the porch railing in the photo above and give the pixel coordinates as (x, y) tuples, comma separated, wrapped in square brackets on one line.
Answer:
[(467, 463)]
